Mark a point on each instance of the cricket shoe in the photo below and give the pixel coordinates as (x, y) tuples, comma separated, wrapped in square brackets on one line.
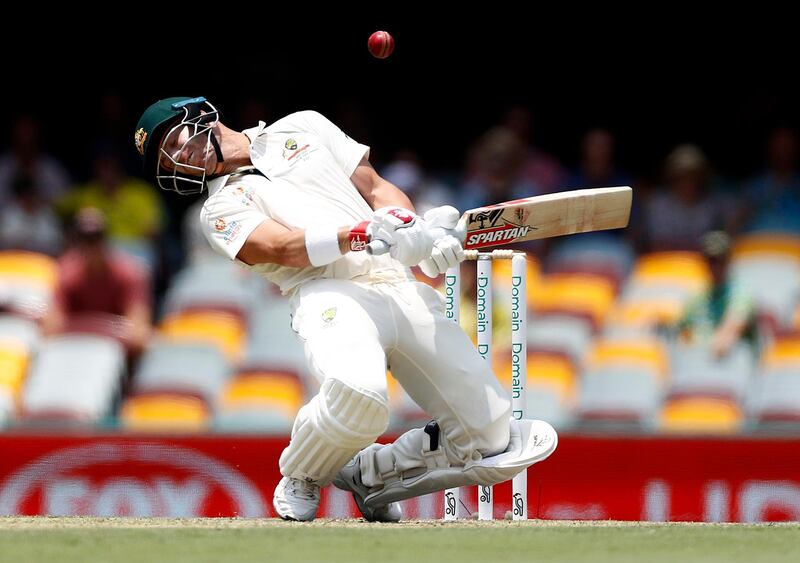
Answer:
[(349, 479), (296, 499)]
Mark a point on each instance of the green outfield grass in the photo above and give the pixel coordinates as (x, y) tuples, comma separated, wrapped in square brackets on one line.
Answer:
[(64, 540)]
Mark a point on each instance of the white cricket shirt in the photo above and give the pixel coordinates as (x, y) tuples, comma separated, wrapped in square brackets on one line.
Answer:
[(306, 162)]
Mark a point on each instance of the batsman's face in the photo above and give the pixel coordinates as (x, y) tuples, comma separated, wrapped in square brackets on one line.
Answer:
[(187, 149)]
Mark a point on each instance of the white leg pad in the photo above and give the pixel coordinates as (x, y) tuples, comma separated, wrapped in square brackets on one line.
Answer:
[(337, 423), (531, 441)]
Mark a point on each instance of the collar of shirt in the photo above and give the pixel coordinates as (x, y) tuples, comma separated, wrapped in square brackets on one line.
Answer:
[(258, 146)]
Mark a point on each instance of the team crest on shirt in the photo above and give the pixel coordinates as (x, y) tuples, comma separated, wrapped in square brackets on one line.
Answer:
[(329, 314), (220, 224), (291, 144)]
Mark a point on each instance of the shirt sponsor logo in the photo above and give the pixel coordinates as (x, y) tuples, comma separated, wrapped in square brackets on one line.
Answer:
[(245, 195), (229, 230)]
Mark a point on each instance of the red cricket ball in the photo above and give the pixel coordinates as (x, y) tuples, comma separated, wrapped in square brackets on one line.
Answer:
[(381, 44)]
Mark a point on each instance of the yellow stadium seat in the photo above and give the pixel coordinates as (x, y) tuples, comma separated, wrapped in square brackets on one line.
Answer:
[(226, 331), (30, 268), (544, 370), (647, 312), (501, 275), (767, 244), (784, 351), (579, 293), (165, 412), (684, 269), (701, 415), (647, 354), (264, 390), (14, 359)]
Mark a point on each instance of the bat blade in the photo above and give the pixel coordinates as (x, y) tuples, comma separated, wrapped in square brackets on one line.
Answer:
[(549, 215)]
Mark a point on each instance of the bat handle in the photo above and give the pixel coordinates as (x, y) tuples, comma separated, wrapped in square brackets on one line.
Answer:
[(378, 246)]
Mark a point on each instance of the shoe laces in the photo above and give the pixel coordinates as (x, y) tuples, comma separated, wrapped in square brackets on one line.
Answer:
[(303, 489)]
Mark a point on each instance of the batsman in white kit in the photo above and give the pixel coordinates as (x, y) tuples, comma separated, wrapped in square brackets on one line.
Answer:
[(298, 201)]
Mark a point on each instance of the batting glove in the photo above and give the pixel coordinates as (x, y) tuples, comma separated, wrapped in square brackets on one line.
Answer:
[(447, 250), (402, 229)]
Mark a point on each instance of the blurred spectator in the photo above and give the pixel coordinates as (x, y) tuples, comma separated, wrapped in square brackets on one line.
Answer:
[(406, 172), (724, 314), (772, 199), (99, 290), (677, 216), (26, 158), (112, 130), (27, 222), (597, 168), (495, 171), (131, 206), (538, 168)]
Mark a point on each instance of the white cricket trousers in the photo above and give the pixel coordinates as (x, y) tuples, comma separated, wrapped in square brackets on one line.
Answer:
[(352, 331)]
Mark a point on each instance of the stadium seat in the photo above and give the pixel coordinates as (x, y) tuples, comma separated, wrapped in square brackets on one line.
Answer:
[(696, 372), (19, 339), (617, 399), (645, 355), (576, 293), (783, 352), (260, 401), (189, 369), (501, 278), (774, 283), (592, 252), (701, 415), (682, 269), (271, 342), (223, 330), (164, 412), (566, 334), (645, 306), (553, 371), (74, 377), (765, 244), (774, 401), (27, 282), (222, 286)]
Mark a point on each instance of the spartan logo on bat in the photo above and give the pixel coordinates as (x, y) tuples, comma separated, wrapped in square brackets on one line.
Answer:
[(482, 217), (521, 215)]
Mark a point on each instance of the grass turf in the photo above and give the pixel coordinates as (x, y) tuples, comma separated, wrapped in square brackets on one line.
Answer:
[(64, 540)]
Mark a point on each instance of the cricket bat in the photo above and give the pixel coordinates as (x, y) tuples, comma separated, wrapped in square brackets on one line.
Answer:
[(542, 216)]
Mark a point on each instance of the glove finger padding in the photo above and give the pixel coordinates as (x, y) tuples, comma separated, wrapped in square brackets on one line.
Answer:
[(446, 253), (429, 268), (445, 217)]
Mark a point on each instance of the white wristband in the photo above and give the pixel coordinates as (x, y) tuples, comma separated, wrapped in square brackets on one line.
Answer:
[(322, 245)]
